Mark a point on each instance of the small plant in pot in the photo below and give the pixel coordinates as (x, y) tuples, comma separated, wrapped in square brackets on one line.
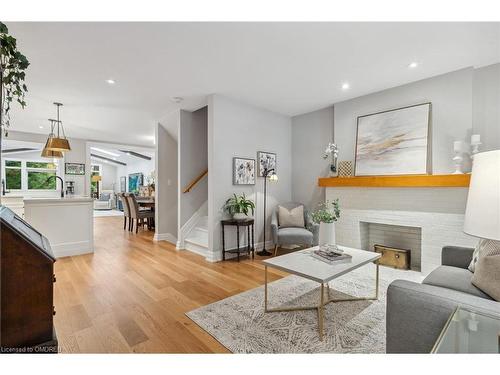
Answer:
[(326, 214), (239, 207)]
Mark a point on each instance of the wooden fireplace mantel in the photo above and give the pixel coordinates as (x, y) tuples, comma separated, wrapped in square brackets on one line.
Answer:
[(436, 180)]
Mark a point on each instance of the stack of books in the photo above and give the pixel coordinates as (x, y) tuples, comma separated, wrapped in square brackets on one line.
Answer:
[(330, 254)]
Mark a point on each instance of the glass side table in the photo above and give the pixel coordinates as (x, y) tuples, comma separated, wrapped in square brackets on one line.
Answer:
[(469, 331)]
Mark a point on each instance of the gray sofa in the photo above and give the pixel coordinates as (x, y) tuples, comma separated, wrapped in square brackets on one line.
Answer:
[(416, 313), (307, 236)]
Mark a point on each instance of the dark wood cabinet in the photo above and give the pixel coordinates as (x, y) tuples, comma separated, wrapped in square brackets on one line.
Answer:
[(27, 281)]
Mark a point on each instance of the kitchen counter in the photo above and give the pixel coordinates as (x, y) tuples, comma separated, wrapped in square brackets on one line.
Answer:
[(67, 222), (57, 200)]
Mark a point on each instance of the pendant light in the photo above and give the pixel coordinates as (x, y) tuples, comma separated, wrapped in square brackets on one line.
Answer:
[(46, 153), (58, 141)]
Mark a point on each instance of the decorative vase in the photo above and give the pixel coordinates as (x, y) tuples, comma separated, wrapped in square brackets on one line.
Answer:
[(327, 234), (239, 216)]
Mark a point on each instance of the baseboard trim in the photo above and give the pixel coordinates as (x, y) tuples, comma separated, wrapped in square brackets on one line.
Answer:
[(165, 237), (72, 248)]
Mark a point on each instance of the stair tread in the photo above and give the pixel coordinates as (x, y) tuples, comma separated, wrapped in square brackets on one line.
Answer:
[(198, 241)]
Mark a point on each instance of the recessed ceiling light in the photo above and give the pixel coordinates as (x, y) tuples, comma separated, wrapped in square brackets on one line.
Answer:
[(41, 127), (345, 86), (413, 64), (110, 81), (177, 99), (105, 151)]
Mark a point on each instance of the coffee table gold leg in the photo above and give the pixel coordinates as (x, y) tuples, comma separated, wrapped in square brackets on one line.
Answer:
[(265, 289), (376, 280), (321, 311)]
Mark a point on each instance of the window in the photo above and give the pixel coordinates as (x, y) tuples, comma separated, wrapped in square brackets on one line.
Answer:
[(29, 175), (13, 175), (95, 170), (39, 174)]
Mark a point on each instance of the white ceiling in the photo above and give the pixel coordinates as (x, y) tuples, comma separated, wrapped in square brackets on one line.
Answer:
[(289, 68), (104, 150)]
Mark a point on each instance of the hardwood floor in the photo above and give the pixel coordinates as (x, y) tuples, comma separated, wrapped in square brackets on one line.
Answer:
[(132, 293)]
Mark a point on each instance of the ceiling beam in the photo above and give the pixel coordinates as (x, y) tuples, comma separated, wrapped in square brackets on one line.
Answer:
[(136, 154), (108, 159), (22, 149)]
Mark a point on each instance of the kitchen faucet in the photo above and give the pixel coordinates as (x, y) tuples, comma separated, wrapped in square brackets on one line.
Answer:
[(62, 183)]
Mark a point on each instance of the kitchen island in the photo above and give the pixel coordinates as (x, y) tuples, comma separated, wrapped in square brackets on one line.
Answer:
[(68, 223)]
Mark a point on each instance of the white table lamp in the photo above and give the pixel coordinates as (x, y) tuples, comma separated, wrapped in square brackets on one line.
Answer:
[(482, 215)]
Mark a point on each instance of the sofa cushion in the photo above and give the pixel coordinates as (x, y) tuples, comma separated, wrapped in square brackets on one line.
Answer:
[(487, 275), (105, 197), (291, 218), (454, 278), (294, 236), (484, 247)]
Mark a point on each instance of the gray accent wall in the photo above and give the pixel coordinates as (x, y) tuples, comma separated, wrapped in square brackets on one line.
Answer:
[(238, 129), (166, 182), (451, 97), (486, 106), (193, 160), (311, 133)]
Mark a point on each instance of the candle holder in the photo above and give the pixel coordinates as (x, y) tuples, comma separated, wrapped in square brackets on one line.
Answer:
[(475, 147), (458, 160)]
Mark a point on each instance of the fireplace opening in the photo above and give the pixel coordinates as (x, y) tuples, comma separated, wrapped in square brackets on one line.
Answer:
[(398, 244)]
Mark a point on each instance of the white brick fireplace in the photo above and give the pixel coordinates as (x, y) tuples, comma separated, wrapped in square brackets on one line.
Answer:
[(432, 217)]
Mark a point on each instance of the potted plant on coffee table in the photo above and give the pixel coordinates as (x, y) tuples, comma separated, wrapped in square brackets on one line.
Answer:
[(326, 214), (239, 207)]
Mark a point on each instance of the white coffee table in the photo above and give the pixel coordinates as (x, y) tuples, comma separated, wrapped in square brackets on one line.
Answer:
[(301, 263)]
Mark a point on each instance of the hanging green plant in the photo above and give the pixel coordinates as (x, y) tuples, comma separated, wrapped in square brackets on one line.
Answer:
[(13, 65)]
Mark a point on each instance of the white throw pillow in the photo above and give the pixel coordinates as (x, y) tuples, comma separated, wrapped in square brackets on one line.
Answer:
[(487, 275), (484, 248), (291, 218)]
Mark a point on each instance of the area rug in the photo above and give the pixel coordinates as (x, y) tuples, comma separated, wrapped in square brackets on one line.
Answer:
[(240, 324)]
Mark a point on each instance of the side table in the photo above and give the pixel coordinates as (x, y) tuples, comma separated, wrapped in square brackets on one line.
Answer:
[(249, 224)]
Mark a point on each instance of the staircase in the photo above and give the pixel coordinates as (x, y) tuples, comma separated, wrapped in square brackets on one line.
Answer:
[(197, 239)]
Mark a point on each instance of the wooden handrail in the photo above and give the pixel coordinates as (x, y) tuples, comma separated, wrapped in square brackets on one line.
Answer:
[(195, 181)]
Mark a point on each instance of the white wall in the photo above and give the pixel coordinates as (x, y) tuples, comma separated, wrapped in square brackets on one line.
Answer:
[(109, 176), (193, 160), (146, 167), (166, 184), (451, 97), (486, 106), (311, 133), (237, 129)]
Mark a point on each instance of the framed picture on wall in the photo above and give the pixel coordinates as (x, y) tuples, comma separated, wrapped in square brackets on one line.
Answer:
[(266, 159), (243, 171), (135, 180), (394, 142), (74, 168), (123, 184)]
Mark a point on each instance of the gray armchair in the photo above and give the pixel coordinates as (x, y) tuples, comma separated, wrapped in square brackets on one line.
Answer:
[(307, 236)]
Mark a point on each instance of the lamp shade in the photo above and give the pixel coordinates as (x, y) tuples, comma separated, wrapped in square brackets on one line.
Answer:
[(57, 144), (46, 153), (96, 178), (482, 215)]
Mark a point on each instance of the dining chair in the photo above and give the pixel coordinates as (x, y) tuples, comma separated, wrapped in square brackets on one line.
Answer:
[(141, 217), (126, 210)]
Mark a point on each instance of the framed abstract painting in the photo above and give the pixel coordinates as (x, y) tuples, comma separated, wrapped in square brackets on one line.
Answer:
[(135, 180), (243, 171), (266, 159), (394, 142)]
